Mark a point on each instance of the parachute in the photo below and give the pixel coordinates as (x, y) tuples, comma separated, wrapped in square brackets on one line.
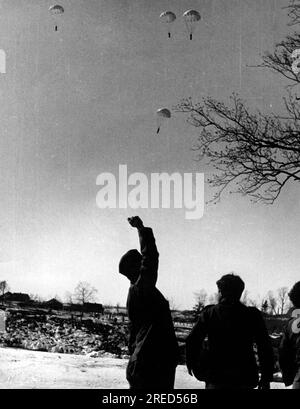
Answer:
[(191, 17), (161, 115), (56, 11), (168, 17)]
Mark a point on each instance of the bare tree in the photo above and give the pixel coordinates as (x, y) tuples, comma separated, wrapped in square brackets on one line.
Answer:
[(294, 12), (272, 302), (281, 60), (282, 295), (253, 154), (84, 292), (200, 297), (3, 287)]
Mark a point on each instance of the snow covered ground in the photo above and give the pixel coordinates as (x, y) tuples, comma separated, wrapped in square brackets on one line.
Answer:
[(25, 369)]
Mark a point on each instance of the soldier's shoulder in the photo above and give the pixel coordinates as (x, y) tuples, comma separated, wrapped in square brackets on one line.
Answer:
[(209, 308), (254, 310)]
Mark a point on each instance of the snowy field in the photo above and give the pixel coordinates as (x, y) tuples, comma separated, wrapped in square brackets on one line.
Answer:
[(23, 369)]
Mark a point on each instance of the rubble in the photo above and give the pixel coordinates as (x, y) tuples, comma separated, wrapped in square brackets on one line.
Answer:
[(54, 334)]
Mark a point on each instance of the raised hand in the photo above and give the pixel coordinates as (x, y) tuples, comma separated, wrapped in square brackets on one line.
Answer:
[(136, 222)]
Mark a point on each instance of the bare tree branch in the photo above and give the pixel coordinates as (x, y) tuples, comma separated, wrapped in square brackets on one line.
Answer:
[(293, 12), (84, 292), (280, 61), (252, 154), (282, 295)]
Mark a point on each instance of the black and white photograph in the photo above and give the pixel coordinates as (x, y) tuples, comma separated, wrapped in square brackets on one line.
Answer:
[(150, 202)]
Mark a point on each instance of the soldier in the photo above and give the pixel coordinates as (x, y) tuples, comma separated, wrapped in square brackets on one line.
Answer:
[(231, 329), (289, 350), (153, 346)]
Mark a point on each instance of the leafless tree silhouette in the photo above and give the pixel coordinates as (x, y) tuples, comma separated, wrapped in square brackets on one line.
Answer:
[(84, 292), (253, 154)]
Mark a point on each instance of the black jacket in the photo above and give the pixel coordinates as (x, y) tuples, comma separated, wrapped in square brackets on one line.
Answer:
[(152, 341), (231, 331), (289, 350)]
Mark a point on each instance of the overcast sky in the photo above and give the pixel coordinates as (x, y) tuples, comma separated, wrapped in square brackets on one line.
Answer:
[(80, 101)]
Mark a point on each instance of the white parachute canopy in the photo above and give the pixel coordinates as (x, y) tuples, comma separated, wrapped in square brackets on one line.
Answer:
[(56, 11), (167, 18), (161, 115), (191, 18)]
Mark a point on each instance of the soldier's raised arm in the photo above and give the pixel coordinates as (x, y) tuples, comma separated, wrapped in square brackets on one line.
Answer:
[(150, 255)]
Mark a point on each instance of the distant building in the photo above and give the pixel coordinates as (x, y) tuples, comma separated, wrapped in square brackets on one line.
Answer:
[(53, 304), (93, 307), (86, 307), (73, 307), (15, 298)]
